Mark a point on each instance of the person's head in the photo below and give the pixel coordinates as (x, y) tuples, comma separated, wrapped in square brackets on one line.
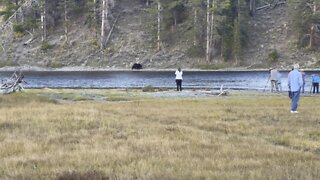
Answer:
[(179, 69), (296, 66)]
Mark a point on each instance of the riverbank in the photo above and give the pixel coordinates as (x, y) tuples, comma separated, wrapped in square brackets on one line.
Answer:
[(87, 68), (126, 134)]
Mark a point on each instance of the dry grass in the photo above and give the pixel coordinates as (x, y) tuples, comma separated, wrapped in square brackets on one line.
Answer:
[(124, 135)]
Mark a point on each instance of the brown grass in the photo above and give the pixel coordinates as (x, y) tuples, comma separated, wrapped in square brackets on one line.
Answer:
[(241, 136)]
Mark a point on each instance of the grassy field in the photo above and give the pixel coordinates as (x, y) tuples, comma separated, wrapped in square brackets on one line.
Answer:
[(114, 134)]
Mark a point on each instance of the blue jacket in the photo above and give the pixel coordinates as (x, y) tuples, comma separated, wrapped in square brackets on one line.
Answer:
[(315, 79), (295, 80)]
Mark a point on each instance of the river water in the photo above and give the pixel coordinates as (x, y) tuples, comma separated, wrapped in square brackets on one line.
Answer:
[(239, 80)]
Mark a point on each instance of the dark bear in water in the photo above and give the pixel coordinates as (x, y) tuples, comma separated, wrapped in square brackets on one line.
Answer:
[(136, 66)]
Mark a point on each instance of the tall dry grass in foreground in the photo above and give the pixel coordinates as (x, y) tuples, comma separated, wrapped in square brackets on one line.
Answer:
[(242, 136)]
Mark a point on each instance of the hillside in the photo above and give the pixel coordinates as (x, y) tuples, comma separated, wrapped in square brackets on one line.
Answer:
[(132, 41), (270, 31)]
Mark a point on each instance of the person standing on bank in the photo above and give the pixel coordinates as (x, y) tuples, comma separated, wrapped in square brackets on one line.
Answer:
[(315, 83), (295, 83), (274, 79), (179, 79)]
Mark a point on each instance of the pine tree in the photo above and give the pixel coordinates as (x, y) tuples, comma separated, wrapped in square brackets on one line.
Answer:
[(9, 8), (305, 19)]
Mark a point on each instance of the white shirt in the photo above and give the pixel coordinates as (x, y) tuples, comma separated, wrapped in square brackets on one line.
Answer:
[(274, 74), (179, 74)]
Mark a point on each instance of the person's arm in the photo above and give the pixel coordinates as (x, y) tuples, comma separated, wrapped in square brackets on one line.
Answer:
[(289, 80), (300, 80)]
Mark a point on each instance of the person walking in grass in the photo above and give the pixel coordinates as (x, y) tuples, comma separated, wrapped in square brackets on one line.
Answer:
[(179, 79), (295, 83)]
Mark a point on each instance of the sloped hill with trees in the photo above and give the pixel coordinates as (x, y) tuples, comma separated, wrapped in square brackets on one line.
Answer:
[(159, 33)]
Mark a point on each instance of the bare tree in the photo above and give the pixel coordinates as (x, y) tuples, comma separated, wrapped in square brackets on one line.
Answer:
[(104, 23), (159, 26), (252, 7), (43, 20), (95, 17), (314, 27), (66, 21), (208, 55)]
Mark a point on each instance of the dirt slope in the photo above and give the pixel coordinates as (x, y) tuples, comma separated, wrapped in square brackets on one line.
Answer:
[(270, 31), (132, 41)]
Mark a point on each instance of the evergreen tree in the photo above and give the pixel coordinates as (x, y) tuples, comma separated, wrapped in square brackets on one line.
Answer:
[(9, 8), (305, 20)]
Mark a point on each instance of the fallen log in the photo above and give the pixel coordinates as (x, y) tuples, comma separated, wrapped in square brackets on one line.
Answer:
[(13, 84), (29, 40)]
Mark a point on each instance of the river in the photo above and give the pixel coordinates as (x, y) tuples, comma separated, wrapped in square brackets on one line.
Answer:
[(238, 80)]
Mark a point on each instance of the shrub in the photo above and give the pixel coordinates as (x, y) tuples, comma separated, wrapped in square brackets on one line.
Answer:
[(195, 51), (55, 64), (148, 88), (45, 46), (7, 63), (18, 28), (273, 56)]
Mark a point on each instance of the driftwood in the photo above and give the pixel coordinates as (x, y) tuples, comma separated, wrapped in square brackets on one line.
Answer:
[(110, 32), (29, 40), (221, 92), (273, 4), (13, 84)]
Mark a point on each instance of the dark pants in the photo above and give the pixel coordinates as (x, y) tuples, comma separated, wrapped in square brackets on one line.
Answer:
[(179, 84), (315, 86), (274, 85)]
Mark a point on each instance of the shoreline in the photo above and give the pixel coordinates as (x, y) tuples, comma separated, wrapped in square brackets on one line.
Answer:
[(88, 69)]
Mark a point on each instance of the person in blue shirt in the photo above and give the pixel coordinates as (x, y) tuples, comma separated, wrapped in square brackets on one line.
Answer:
[(315, 83), (295, 83)]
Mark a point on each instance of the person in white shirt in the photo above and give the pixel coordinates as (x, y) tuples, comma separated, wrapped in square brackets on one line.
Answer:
[(179, 79)]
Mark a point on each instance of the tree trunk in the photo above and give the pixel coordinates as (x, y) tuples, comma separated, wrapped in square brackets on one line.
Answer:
[(252, 7), (211, 29), (237, 36), (43, 21), (159, 27), (174, 20), (95, 18), (195, 21), (312, 42), (66, 30), (104, 22), (208, 32), (17, 4)]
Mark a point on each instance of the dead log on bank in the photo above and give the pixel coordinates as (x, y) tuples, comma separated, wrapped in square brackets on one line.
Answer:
[(13, 84), (273, 5)]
